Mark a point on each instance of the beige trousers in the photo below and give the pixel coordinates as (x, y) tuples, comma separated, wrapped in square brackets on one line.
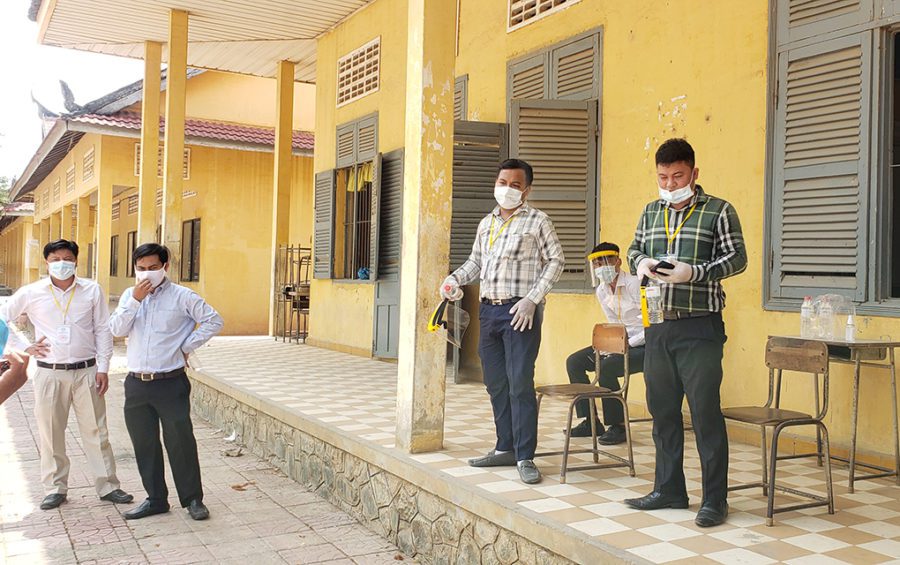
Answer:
[(54, 393)]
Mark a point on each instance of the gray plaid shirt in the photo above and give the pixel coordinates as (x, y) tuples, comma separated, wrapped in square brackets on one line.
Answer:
[(521, 257)]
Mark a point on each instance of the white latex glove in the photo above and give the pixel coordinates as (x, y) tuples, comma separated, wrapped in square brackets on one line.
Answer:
[(681, 273), (643, 268), (523, 314), (450, 289)]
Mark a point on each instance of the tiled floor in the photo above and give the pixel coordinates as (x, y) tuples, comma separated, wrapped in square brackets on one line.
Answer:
[(311, 381), (258, 515)]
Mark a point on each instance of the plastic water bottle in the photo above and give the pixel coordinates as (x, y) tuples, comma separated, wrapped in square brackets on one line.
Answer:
[(654, 303), (850, 329), (826, 320), (806, 318)]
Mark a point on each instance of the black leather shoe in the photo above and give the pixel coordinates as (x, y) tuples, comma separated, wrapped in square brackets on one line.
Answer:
[(656, 500), (52, 501), (711, 514), (146, 508), (198, 510), (614, 435), (584, 429), (117, 496), (494, 459)]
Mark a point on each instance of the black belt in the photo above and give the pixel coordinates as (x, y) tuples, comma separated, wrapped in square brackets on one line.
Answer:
[(501, 301), (147, 377), (68, 366), (682, 315)]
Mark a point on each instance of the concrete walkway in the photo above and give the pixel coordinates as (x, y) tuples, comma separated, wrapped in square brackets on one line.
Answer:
[(258, 515)]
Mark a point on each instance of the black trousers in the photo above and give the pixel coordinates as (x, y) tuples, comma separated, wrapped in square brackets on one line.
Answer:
[(507, 360), (164, 402), (612, 368), (684, 358)]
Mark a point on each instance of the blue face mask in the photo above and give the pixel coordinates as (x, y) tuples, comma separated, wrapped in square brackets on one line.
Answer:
[(61, 270)]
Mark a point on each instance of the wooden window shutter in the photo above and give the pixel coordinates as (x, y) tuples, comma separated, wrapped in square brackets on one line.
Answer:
[(576, 70), (802, 19), (559, 139), (391, 215), (374, 217), (478, 148), (367, 139), (460, 98), (529, 79), (346, 145), (821, 163), (323, 246)]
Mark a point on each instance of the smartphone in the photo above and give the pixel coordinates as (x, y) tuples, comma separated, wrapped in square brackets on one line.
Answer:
[(662, 265)]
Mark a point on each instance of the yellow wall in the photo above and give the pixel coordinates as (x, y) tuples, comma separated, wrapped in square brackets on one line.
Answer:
[(13, 248), (667, 71), (385, 18)]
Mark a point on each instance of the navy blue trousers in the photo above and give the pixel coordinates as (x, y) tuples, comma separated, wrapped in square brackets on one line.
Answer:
[(507, 360)]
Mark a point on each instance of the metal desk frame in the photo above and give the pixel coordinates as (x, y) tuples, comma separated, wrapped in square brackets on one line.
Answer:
[(863, 353)]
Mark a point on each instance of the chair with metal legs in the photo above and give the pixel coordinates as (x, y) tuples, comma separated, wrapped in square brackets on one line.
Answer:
[(795, 356), (608, 339)]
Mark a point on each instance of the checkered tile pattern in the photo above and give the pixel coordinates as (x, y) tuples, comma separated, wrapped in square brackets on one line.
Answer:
[(314, 382)]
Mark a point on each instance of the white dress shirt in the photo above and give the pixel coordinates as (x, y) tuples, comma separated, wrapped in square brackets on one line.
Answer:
[(624, 306), (87, 318), (162, 327)]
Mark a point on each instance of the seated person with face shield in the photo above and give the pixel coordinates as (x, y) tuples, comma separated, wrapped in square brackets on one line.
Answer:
[(619, 294)]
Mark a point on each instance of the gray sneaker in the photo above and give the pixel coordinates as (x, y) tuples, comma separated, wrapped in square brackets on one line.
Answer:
[(493, 459), (529, 472)]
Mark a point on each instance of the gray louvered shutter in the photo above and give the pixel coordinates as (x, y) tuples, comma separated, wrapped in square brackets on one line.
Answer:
[(346, 145), (460, 98), (559, 139), (576, 70), (324, 226), (478, 148), (366, 139), (529, 79), (391, 217), (802, 19), (374, 217), (821, 168)]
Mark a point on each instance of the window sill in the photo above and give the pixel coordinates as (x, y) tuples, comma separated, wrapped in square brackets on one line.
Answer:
[(889, 308), (353, 281)]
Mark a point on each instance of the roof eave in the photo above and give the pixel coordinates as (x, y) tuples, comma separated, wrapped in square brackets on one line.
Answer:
[(50, 140)]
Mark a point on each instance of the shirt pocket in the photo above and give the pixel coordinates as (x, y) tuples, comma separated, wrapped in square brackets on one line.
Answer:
[(168, 320), (519, 247)]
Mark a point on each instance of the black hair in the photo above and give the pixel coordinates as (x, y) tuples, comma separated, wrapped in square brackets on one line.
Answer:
[(512, 164), (675, 150), (59, 245), (148, 249), (605, 246)]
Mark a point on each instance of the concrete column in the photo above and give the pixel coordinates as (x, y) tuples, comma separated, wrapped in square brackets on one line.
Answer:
[(426, 221), (45, 239), (174, 139), (55, 225), (281, 193), (104, 232), (67, 230), (83, 233), (149, 142)]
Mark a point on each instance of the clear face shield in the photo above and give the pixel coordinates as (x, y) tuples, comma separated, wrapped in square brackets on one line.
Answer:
[(453, 319), (603, 266)]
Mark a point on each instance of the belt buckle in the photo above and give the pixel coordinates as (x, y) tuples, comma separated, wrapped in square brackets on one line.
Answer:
[(496, 302), (143, 375)]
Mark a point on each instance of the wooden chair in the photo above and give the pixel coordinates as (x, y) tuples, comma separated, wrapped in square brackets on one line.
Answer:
[(796, 356), (608, 339)]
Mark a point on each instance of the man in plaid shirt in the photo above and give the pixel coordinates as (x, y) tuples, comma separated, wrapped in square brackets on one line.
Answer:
[(700, 235), (517, 257)]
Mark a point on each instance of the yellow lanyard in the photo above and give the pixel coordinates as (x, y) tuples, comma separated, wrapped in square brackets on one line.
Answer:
[(492, 237), (58, 305), (671, 237)]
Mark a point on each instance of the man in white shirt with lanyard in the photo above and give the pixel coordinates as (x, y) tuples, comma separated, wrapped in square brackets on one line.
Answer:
[(619, 294), (517, 257), (165, 323), (71, 322)]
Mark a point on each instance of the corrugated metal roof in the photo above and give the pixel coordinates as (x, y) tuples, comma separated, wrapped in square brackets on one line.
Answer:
[(244, 36)]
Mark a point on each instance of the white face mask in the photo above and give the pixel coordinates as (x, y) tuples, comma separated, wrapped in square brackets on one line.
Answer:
[(61, 270), (677, 196), (507, 197), (606, 273), (155, 277)]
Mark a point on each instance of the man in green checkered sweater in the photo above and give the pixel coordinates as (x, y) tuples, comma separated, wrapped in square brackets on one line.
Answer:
[(700, 236)]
